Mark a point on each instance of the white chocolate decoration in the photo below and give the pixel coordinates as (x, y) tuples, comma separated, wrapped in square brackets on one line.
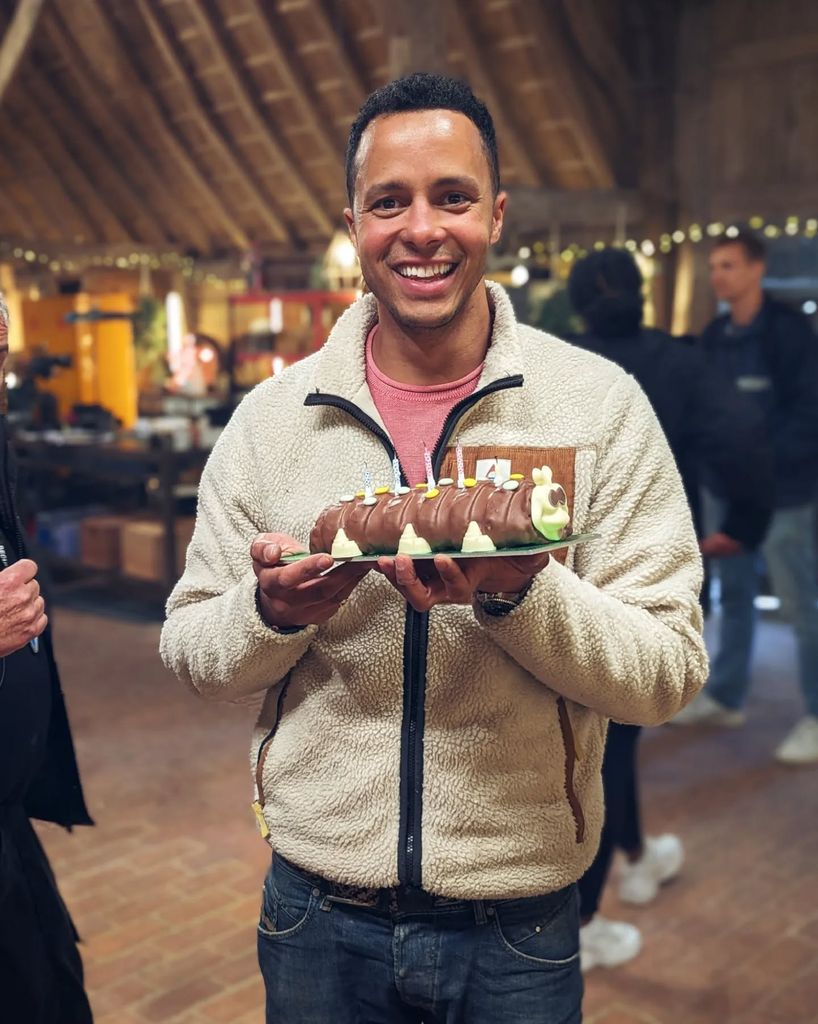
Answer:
[(444, 481), (343, 547), (403, 490), (511, 485), (411, 544), (346, 498), (371, 500), (549, 506), (475, 540)]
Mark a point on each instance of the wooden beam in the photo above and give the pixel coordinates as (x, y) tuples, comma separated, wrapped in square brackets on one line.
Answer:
[(541, 25), (161, 126), (25, 206), (156, 23), (305, 99), (208, 21), (183, 228), (95, 161), (539, 209), (612, 76), (79, 185), (329, 34), (64, 207), (16, 39), (479, 73)]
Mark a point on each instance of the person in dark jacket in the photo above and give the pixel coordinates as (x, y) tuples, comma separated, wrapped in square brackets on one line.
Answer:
[(41, 978), (767, 353), (704, 428)]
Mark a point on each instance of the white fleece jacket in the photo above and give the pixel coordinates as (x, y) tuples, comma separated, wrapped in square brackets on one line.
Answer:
[(501, 792)]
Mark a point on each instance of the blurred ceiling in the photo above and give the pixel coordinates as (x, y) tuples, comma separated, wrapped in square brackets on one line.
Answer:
[(209, 125)]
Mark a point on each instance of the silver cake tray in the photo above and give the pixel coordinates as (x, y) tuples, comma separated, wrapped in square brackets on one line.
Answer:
[(521, 552)]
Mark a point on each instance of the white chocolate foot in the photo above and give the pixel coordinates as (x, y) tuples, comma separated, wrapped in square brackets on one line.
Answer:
[(343, 547), (475, 540), (411, 544)]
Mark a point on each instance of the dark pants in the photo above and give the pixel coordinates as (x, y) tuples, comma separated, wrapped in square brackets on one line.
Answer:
[(408, 959), (40, 966), (622, 829)]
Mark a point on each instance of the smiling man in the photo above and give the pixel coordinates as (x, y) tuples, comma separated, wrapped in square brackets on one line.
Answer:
[(427, 755)]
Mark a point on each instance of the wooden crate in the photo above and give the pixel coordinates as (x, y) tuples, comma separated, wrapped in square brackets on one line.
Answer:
[(143, 548), (100, 541)]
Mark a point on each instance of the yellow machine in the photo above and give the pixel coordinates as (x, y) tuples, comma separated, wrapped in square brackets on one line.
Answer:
[(97, 333)]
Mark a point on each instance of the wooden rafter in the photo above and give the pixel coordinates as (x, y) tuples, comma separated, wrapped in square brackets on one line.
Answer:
[(329, 34), (211, 31), (614, 76), (305, 100), (16, 39), (120, 140), (541, 23), (86, 195), (96, 162), (156, 24), (485, 86), (164, 131), (63, 207)]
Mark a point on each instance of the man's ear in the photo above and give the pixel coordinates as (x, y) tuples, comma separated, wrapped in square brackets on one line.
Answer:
[(498, 212), (349, 217)]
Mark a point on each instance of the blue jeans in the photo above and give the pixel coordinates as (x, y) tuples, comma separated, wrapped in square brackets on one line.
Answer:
[(331, 961), (790, 556)]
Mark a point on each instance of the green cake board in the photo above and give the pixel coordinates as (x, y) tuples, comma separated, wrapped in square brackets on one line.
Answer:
[(530, 549)]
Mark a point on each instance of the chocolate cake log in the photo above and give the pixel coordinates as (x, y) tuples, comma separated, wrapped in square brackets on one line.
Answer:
[(441, 516)]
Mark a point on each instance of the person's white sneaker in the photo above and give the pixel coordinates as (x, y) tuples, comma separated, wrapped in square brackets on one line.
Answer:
[(801, 746), (661, 860), (704, 710), (604, 943)]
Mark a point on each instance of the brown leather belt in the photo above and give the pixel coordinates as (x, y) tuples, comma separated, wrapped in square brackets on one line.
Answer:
[(395, 900)]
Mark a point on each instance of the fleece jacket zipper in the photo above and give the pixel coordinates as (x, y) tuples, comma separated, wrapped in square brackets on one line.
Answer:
[(415, 645)]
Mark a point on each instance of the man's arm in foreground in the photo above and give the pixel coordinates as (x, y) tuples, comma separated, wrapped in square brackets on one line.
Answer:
[(232, 619)]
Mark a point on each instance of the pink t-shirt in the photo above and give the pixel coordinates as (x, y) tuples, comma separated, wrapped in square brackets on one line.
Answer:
[(413, 414)]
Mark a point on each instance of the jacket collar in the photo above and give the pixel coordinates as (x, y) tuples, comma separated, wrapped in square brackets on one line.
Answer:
[(341, 364)]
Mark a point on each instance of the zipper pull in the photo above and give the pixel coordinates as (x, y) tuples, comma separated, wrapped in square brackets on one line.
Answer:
[(260, 819)]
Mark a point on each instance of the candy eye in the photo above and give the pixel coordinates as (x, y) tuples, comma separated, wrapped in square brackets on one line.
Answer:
[(557, 496)]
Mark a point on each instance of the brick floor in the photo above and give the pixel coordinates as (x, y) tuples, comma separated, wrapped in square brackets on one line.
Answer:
[(165, 890)]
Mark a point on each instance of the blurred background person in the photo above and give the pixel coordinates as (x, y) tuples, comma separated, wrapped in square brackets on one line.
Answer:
[(768, 353), (41, 976), (704, 427)]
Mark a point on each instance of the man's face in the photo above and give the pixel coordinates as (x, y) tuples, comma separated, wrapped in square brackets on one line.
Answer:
[(733, 274), (424, 215)]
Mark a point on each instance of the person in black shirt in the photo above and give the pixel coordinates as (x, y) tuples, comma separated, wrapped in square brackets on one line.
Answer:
[(41, 978), (706, 428), (768, 354)]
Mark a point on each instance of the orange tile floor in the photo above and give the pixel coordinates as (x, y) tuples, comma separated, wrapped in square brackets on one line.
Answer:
[(165, 889)]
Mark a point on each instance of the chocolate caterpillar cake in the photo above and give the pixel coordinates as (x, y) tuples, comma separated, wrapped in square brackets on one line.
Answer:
[(479, 515)]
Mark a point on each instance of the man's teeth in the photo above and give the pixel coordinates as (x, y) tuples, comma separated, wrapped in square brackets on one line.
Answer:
[(438, 270)]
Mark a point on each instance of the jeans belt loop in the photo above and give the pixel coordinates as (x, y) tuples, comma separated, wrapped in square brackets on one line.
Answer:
[(480, 916)]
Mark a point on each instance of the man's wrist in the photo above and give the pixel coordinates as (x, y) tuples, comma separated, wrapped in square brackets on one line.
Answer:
[(281, 630), (501, 602)]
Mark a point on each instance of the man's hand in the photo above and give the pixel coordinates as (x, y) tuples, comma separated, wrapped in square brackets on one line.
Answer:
[(448, 581), (719, 545), (22, 614), (299, 594)]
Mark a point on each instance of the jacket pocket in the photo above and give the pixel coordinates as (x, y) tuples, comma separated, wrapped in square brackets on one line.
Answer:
[(571, 758)]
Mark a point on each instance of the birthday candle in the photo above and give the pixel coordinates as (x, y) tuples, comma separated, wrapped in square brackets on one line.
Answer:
[(430, 473), (396, 475), (461, 476), (369, 489)]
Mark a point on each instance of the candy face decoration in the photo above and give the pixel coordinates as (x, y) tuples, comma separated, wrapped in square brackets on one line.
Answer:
[(549, 506)]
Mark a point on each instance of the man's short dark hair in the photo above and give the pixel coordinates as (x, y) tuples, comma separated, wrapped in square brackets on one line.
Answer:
[(423, 91), (754, 249)]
